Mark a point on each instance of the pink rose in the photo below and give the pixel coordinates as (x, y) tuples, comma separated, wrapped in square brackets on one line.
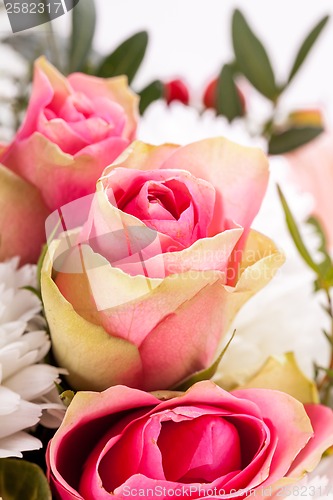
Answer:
[(160, 270), (205, 443), (74, 127), (312, 168)]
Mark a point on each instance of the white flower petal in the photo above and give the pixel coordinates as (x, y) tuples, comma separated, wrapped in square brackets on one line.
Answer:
[(12, 446), (33, 381), (9, 332), (10, 401), (12, 361), (26, 415)]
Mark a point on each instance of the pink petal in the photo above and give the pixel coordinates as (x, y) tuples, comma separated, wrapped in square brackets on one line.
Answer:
[(322, 422), (188, 345), (115, 89), (312, 168), (61, 177), (239, 175), (49, 86), (206, 447), (81, 429), (22, 218), (63, 134), (286, 417), (204, 255)]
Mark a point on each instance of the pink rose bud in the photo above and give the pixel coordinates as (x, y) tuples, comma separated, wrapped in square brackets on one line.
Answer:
[(204, 443), (143, 293), (176, 90), (74, 127)]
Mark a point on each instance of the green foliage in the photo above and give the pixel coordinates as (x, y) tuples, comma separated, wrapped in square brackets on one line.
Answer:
[(251, 57), (126, 59), (83, 30), (21, 480), (291, 139), (228, 101), (151, 93), (306, 47), (324, 268)]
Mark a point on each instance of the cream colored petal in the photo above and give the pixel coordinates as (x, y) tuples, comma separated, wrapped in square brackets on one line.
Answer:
[(283, 374), (140, 155), (94, 359)]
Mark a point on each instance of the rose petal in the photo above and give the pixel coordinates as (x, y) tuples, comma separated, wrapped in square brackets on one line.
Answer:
[(206, 447), (204, 255), (322, 423), (49, 86), (142, 156), (59, 176), (63, 134), (105, 361), (116, 89), (239, 175), (22, 217), (62, 455), (292, 417), (187, 344)]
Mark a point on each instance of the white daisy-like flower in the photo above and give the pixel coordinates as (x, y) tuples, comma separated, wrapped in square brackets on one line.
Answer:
[(26, 384), (181, 124)]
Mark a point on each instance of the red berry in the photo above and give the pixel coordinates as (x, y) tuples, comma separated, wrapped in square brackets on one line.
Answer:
[(210, 96), (176, 90)]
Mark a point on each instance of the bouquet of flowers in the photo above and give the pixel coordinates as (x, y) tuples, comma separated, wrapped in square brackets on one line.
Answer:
[(126, 366)]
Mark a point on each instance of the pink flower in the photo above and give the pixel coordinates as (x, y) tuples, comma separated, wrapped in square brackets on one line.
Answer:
[(205, 443), (74, 127), (312, 168), (161, 268)]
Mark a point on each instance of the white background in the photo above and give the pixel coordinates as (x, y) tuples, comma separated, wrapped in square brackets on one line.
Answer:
[(191, 39)]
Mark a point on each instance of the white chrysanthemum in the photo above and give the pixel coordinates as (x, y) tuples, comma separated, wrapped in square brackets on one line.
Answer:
[(181, 124), (25, 383)]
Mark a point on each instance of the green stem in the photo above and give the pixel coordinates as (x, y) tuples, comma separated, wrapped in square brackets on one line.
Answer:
[(325, 385)]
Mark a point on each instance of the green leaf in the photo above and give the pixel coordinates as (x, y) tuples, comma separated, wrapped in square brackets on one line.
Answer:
[(251, 57), (206, 374), (32, 290), (282, 373), (22, 480), (126, 59), (153, 91), (306, 47), (228, 102), (326, 264), (291, 139), (295, 234), (83, 29)]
